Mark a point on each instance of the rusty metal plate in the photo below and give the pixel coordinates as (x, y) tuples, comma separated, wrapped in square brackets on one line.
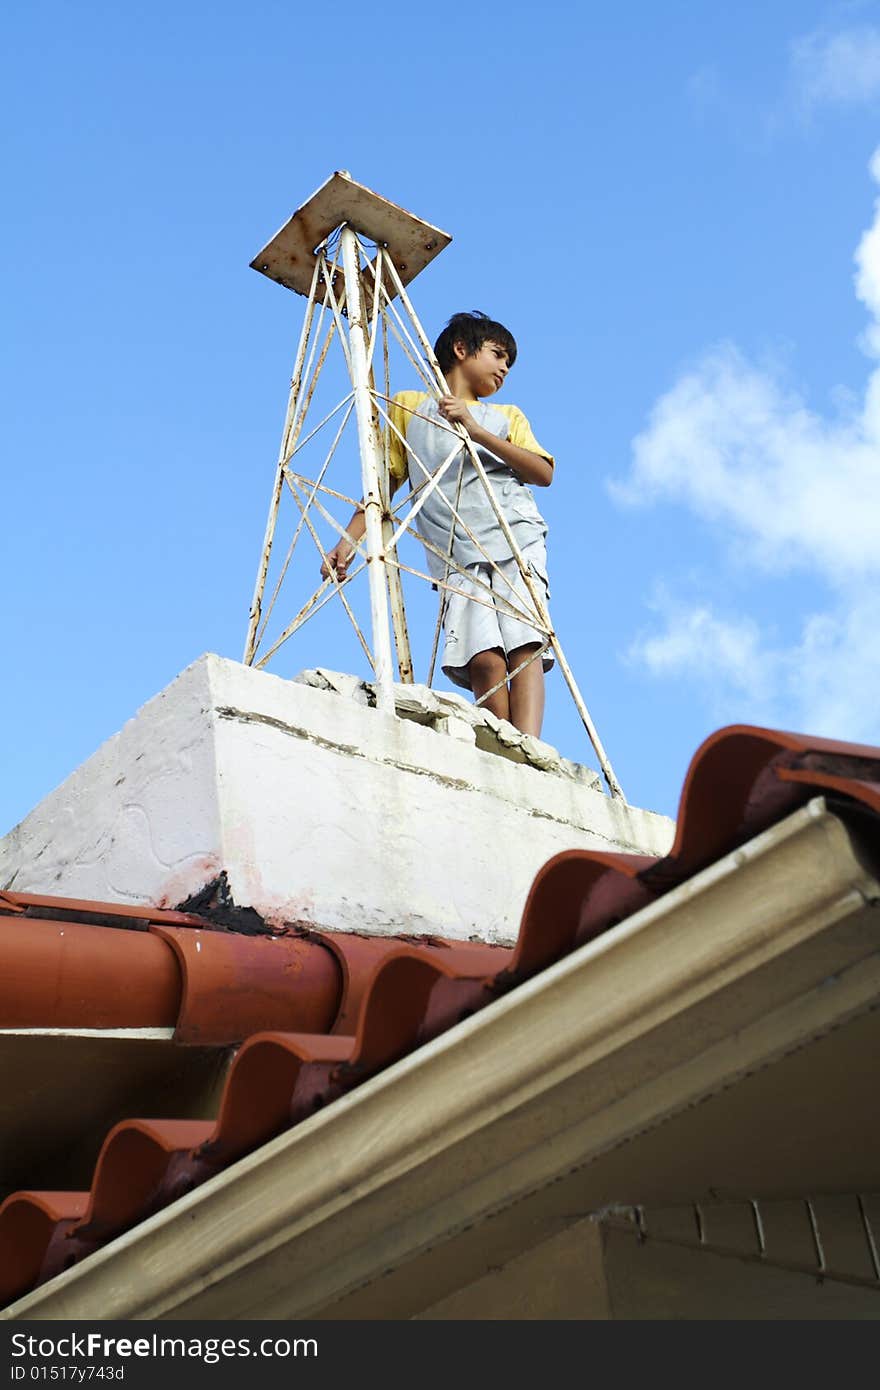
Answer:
[(289, 257)]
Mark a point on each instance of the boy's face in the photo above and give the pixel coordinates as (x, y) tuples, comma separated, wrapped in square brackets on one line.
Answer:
[(484, 370)]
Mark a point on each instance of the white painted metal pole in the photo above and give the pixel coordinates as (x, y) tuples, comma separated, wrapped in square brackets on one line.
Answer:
[(370, 450), (395, 587), (292, 404)]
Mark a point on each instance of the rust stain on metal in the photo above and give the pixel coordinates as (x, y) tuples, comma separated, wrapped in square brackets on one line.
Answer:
[(290, 255)]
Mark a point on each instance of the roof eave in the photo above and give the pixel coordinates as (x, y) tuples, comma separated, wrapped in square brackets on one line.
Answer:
[(753, 957)]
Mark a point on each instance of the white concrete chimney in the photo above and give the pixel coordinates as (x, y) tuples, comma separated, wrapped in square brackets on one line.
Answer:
[(319, 809)]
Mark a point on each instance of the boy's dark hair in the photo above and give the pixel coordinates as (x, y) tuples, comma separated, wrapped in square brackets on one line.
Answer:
[(473, 330)]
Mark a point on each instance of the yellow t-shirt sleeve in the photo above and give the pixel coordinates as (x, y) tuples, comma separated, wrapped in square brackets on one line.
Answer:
[(520, 433), (400, 411)]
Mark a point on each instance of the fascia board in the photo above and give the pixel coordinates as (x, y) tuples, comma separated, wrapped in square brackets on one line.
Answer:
[(724, 973)]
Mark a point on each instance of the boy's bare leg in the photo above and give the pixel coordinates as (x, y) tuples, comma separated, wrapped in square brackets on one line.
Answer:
[(485, 670), (526, 691)]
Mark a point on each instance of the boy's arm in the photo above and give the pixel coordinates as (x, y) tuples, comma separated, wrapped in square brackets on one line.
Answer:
[(339, 558), (528, 465)]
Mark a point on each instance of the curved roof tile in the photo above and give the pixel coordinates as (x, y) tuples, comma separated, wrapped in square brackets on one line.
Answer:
[(237, 985), (64, 974), (322, 1012)]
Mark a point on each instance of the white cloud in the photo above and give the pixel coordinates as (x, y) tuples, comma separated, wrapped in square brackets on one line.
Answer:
[(740, 448), (837, 69), (825, 684), (868, 276), (786, 489), (724, 655), (833, 677)]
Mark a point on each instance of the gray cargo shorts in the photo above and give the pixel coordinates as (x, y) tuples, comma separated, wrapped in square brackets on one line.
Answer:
[(472, 627)]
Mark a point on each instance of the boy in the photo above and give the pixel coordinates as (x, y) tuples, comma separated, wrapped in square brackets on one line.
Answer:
[(483, 643)]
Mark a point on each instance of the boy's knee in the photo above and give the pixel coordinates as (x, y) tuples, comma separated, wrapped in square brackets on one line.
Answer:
[(490, 663), (526, 667)]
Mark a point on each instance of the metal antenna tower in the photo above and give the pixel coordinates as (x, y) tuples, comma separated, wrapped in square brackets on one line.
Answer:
[(351, 253)]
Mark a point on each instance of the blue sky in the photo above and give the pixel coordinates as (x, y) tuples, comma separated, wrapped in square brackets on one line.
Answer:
[(671, 205)]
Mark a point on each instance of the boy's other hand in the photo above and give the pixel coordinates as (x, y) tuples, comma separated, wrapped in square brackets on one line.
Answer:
[(456, 412), (338, 560)]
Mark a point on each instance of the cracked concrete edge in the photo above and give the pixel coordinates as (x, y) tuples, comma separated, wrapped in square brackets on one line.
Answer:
[(451, 715)]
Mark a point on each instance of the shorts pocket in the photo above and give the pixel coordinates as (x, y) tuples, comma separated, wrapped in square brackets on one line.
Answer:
[(540, 572), (523, 505)]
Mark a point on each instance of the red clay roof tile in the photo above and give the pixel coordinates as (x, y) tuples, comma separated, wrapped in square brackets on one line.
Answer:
[(237, 985), (344, 1006), (60, 974)]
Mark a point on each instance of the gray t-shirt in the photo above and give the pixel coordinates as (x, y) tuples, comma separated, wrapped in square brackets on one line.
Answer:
[(429, 443)]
